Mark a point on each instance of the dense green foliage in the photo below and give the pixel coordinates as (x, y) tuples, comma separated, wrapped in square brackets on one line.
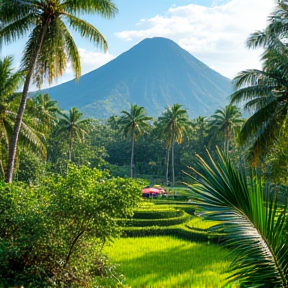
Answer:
[(52, 234), (67, 201)]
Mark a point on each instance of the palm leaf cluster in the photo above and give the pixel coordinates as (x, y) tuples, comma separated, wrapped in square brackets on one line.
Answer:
[(50, 45), (73, 126), (253, 228), (134, 123), (265, 92), (224, 124), (172, 125), (30, 134)]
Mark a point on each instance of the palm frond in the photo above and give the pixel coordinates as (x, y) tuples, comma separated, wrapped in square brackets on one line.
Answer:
[(105, 8), (248, 223), (16, 29), (88, 31)]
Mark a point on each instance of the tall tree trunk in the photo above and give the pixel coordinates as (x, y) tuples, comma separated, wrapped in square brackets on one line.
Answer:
[(70, 147), (172, 160), (167, 165), (21, 110), (227, 140), (132, 166)]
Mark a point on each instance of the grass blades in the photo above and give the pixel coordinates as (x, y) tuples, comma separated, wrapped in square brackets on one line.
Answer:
[(169, 262)]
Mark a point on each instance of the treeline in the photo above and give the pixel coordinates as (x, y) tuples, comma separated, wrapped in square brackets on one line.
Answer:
[(131, 144)]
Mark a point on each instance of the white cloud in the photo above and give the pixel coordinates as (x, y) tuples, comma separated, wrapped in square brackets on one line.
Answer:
[(216, 35), (92, 60)]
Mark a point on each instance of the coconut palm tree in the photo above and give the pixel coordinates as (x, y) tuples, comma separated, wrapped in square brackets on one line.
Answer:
[(161, 135), (44, 110), (134, 123), (10, 81), (266, 95), (253, 226), (73, 127), (224, 123), (265, 92), (173, 122), (50, 45)]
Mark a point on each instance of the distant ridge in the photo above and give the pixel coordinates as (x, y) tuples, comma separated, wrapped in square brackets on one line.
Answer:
[(154, 73)]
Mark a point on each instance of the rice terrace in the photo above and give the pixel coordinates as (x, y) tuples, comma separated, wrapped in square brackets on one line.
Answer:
[(143, 144), (172, 260)]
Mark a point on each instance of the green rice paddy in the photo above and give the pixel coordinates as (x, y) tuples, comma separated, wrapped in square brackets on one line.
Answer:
[(168, 262)]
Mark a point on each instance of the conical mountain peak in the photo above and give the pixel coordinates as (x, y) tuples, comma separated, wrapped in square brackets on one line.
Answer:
[(154, 73)]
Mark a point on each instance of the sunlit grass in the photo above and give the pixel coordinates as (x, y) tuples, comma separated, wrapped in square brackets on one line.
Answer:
[(198, 223), (169, 262)]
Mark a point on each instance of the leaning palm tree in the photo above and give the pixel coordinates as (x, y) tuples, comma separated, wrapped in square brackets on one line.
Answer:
[(174, 122), (134, 123), (50, 45), (253, 226), (223, 124), (73, 127)]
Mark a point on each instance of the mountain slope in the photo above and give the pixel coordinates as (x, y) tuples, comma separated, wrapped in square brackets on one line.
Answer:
[(154, 73)]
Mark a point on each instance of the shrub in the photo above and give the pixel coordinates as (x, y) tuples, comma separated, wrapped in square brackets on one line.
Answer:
[(52, 234)]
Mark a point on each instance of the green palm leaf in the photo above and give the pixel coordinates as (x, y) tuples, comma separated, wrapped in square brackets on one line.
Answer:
[(252, 227)]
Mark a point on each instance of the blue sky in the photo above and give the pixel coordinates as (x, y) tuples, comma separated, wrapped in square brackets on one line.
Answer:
[(214, 31)]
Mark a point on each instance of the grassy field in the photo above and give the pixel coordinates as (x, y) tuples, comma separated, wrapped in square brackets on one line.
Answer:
[(169, 262)]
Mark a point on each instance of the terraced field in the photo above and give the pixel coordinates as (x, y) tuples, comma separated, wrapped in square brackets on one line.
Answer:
[(161, 218), (167, 245)]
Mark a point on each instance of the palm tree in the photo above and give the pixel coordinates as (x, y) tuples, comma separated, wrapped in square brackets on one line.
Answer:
[(174, 122), (50, 45), (161, 135), (252, 226), (134, 123), (9, 82), (224, 123), (73, 126), (44, 110), (265, 92), (9, 100)]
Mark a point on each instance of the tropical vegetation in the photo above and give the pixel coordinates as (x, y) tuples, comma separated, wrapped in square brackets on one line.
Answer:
[(174, 124), (72, 195), (135, 123), (50, 45)]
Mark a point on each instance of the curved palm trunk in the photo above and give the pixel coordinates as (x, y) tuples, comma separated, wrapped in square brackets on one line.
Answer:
[(21, 109), (132, 155)]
